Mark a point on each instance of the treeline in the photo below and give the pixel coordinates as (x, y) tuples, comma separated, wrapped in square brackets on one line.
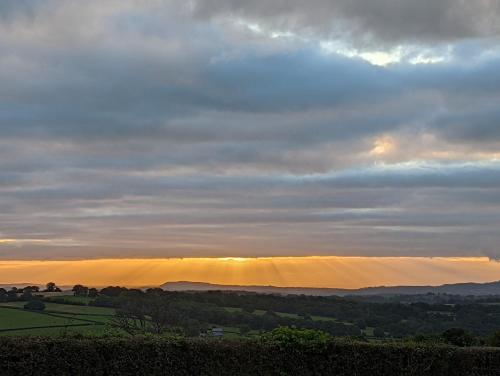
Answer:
[(282, 354), (389, 319), (194, 311), (155, 310), (25, 293)]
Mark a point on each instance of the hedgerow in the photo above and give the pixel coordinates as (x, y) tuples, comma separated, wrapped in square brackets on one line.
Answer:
[(163, 356)]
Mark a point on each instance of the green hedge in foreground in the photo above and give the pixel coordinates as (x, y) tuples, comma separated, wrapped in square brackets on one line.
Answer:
[(156, 356)]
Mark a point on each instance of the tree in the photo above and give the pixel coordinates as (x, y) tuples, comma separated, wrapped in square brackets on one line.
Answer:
[(192, 328), (50, 287), (129, 322), (80, 290), (248, 309), (132, 311), (379, 332), (93, 292), (154, 291), (163, 315), (27, 295), (35, 305), (113, 291), (12, 294), (361, 324), (494, 340), (244, 329), (458, 337), (293, 337)]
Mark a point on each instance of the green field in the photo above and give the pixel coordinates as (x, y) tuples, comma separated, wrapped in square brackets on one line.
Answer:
[(73, 299), (67, 308), (60, 331), (288, 315), (16, 318), (63, 319), (56, 319)]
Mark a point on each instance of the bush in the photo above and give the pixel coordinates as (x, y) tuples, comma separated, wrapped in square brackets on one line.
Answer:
[(458, 337), (494, 340), (159, 356), (35, 305), (379, 332), (298, 337), (60, 300)]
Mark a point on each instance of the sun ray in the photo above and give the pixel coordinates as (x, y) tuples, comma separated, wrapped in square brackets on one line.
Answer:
[(316, 271)]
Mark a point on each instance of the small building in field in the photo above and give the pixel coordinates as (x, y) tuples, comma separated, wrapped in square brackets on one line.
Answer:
[(217, 332)]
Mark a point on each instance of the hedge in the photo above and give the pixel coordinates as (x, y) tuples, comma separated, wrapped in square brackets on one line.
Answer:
[(156, 356)]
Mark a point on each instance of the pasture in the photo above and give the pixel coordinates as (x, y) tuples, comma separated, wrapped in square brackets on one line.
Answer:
[(57, 319)]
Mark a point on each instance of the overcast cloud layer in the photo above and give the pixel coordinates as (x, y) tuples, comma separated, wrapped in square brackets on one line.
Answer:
[(249, 128)]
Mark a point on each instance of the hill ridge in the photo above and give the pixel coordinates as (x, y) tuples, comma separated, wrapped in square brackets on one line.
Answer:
[(464, 288)]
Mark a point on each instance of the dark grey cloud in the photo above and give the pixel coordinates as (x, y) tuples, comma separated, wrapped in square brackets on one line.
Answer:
[(382, 21), (480, 125), (13, 9)]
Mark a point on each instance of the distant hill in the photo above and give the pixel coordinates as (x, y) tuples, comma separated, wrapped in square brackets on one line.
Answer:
[(491, 288)]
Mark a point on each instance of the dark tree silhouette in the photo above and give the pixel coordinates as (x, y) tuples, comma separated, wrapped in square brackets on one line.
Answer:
[(50, 287), (80, 290)]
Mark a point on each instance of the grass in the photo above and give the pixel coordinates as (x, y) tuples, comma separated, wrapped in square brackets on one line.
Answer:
[(56, 319), (324, 318), (288, 315), (260, 312), (67, 308), (368, 331), (233, 309), (60, 319), (75, 299), (231, 332), (90, 330), (99, 318), (17, 318)]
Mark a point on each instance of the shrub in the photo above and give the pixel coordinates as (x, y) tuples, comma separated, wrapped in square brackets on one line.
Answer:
[(458, 337), (494, 340), (176, 357), (35, 305), (60, 300), (298, 337)]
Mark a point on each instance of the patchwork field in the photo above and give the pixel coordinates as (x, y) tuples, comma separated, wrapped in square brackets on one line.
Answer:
[(56, 319)]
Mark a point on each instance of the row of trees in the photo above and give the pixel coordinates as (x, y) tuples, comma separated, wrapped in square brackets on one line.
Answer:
[(84, 291), (25, 293), (15, 293), (157, 311)]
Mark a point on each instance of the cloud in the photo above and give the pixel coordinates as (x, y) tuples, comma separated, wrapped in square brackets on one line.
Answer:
[(163, 129), (379, 21), (391, 210)]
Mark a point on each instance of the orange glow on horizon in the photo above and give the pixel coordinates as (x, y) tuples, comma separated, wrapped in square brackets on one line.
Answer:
[(315, 271)]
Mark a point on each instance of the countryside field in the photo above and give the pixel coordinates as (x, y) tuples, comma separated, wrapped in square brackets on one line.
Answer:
[(262, 334), (61, 319), (75, 316), (57, 319)]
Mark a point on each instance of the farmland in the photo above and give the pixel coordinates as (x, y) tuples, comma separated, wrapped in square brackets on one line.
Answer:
[(56, 319), (128, 312)]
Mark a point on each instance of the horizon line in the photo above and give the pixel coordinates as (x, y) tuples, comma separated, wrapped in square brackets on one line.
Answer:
[(258, 286), (240, 258)]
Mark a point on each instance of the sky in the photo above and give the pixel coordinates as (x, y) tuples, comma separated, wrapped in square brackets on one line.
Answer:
[(312, 271), (231, 128)]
